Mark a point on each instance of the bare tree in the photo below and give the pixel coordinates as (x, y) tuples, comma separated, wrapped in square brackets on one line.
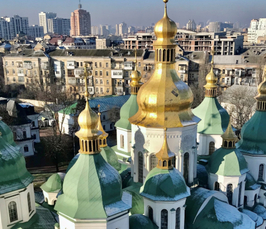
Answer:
[(240, 103)]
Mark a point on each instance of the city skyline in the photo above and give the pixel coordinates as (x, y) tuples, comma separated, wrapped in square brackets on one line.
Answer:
[(140, 13)]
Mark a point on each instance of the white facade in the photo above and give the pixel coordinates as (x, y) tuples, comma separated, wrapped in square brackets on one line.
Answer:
[(146, 142), (238, 187), (123, 139), (175, 210), (17, 206), (118, 221), (205, 142), (257, 28), (50, 197), (43, 16)]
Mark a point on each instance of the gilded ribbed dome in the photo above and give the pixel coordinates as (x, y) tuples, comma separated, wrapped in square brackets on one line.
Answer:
[(262, 90), (135, 78), (88, 121), (164, 100), (165, 30)]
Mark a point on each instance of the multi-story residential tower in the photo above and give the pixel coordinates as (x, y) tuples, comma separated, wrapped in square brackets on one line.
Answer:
[(80, 22), (43, 17), (35, 31), (59, 26)]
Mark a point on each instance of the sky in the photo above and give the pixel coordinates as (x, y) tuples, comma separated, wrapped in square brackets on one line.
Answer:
[(137, 13)]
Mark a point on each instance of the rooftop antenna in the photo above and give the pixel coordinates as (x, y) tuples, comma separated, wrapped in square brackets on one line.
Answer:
[(80, 6)]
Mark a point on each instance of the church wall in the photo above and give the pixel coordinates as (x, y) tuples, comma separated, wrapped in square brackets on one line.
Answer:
[(170, 206), (251, 194), (50, 197), (204, 141), (149, 141), (224, 181), (127, 139)]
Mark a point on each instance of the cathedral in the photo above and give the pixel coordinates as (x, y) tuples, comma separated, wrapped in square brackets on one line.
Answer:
[(172, 167)]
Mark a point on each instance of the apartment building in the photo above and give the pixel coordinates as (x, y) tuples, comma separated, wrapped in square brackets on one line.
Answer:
[(59, 26), (139, 41), (35, 31), (43, 20), (110, 70), (257, 29), (224, 43)]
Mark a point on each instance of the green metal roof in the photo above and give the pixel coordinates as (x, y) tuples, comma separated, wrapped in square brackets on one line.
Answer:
[(220, 215), (89, 187), (227, 162), (165, 185), (14, 174), (7, 133), (214, 118), (137, 199), (141, 222), (129, 109), (53, 184), (253, 137), (110, 156)]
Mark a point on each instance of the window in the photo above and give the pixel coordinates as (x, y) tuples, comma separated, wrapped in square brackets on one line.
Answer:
[(106, 65), (107, 81), (101, 90), (26, 149), (164, 219), (140, 169), (153, 161), (229, 193), (24, 134), (139, 64), (177, 219), (217, 186), (107, 73), (122, 145), (150, 213), (101, 81), (101, 73), (240, 193), (95, 64), (100, 64), (261, 171), (12, 209), (107, 90), (96, 81), (97, 90), (96, 73), (211, 148), (29, 202), (186, 166)]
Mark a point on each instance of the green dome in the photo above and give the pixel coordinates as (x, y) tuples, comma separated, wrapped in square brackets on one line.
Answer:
[(251, 183), (141, 222), (53, 184), (89, 187), (7, 133), (137, 199), (129, 109), (110, 156), (72, 162), (214, 118), (14, 174), (165, 185), (227, 162), (253, 137)]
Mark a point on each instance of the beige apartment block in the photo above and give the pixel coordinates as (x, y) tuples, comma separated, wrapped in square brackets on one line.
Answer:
[(139, 41)]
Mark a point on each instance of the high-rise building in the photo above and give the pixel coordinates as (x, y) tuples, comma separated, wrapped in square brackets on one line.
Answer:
[(257, 29), (191, 25), (4, 29), (104, 31), (59, 26), (35, 31), (122, 29), (80, 22), (43, 20), (219, 26)]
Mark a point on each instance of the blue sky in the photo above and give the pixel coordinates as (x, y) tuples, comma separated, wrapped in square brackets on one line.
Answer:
[(145, 12)]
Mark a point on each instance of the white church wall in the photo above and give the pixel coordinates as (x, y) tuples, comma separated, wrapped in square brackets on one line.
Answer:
[(204, 142), (252, 197), (126, 144), (50, 197)]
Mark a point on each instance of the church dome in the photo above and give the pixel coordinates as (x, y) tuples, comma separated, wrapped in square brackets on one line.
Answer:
[(165, 185), (90, 186), (53, 184), (7, 133), (110, 156), (14, 175)]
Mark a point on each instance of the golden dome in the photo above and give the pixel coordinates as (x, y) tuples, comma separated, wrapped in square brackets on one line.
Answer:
[(164, 100), (100, 127), (165, 30), (262, 89), (135, 78)]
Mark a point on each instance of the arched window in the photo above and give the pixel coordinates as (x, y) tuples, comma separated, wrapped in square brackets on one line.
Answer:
[(122, 145), (239, 194), (186, 166), (13, 213), (150, 213), (164, 163), (255, 199), (168, 55), (164, 53), (160, 55), (140, 167), (230, 144), (153, 161), (245, 200), (177, 219), (172, 55), (164, 219), (174, 161), (217, 186), (26, 149), (229, 193), (261, 171), (211, 148), (29, 202)]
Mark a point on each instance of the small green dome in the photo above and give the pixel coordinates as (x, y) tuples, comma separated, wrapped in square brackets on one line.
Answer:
[(227, 162), (137, 199), (110, 156), (214, 118), (165, 185), (7, 133), (129, 109), (141, 222), (53, 184), (253, 138), (14, 174), (89, 188)]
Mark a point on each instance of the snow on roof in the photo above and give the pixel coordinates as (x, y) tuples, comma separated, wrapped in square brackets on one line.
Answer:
[(257, 219)]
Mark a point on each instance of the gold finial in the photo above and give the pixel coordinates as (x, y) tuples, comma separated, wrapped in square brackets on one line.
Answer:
[(165, 156), (229, 137), (212, 52), (261, 97), (99, 106), (86, 75), (165, 8)]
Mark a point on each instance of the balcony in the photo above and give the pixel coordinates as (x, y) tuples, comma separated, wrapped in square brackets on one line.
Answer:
[(79, 72), (117, 74), (91, 90), (71, 64), (72, 81), (27, 65), (45, 66), (20, 72), (128, 65), (19, 64)]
